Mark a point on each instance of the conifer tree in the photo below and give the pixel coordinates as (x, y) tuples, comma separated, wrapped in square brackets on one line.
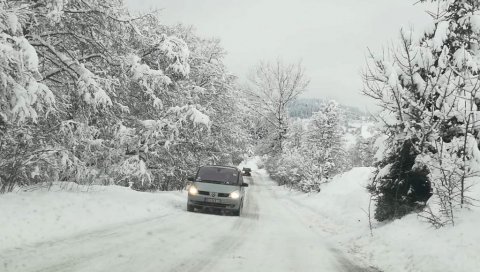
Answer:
[(427, 87)]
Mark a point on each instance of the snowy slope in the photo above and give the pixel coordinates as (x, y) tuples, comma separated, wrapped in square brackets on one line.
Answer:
[(408, 244)]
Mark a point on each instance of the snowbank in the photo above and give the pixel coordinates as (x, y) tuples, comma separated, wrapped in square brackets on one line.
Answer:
[(412, 245), (41, 215), (408, 244)]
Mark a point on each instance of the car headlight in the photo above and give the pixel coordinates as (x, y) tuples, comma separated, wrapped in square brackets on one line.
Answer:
[(193, 190), (235, 194)]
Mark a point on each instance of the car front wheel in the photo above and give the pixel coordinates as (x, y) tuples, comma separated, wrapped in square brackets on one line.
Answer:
[(190, 208), (239, 211)]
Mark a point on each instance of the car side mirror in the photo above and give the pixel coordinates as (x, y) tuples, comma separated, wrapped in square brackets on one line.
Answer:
[(244, 184), (191, 179)]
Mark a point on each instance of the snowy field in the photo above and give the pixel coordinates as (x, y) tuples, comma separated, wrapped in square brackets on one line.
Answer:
[(103, 228)]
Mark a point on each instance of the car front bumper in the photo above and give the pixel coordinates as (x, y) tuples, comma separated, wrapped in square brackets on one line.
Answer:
[(224, 203)]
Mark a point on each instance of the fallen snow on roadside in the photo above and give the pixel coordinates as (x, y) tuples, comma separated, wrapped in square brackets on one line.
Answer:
[(41, 215), (407, 244)]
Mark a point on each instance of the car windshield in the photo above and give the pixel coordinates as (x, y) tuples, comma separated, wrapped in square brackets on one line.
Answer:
[(220, 175)]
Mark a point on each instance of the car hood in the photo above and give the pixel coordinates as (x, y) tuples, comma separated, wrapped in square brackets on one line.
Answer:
[(218, 188)]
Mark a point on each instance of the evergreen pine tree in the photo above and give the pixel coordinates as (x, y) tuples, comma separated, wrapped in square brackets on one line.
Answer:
[(427, 88)]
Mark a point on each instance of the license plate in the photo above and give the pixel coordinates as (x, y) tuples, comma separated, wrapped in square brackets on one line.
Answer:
[(212, 200)]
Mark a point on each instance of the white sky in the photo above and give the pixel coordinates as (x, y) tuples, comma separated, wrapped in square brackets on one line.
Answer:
[(329, 36)]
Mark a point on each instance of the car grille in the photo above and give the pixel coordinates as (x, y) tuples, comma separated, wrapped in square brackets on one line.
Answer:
[(216, 205), (218, 194), (209, 204)]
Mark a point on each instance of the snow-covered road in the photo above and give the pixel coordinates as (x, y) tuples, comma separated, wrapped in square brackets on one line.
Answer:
[(273, 234)]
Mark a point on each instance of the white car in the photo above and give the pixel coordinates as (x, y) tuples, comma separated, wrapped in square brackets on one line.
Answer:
[(217, 187)]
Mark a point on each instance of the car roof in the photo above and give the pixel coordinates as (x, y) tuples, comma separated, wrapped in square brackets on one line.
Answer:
[(220, 166)]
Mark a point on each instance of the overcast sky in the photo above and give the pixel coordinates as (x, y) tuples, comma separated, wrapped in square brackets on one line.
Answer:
[(329, 36)]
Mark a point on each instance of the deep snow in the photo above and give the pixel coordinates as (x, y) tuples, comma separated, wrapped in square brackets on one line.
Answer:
[(65, 209)]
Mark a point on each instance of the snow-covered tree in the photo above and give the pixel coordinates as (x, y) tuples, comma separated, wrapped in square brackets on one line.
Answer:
[(363, 152), (427, 87), (313, 151), (288, 168), (273, 86), (91, 94), (325, 142), (24, 101), (200, 117)]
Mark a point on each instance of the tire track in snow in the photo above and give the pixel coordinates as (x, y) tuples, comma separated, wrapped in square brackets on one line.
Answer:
[(308, 213)]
